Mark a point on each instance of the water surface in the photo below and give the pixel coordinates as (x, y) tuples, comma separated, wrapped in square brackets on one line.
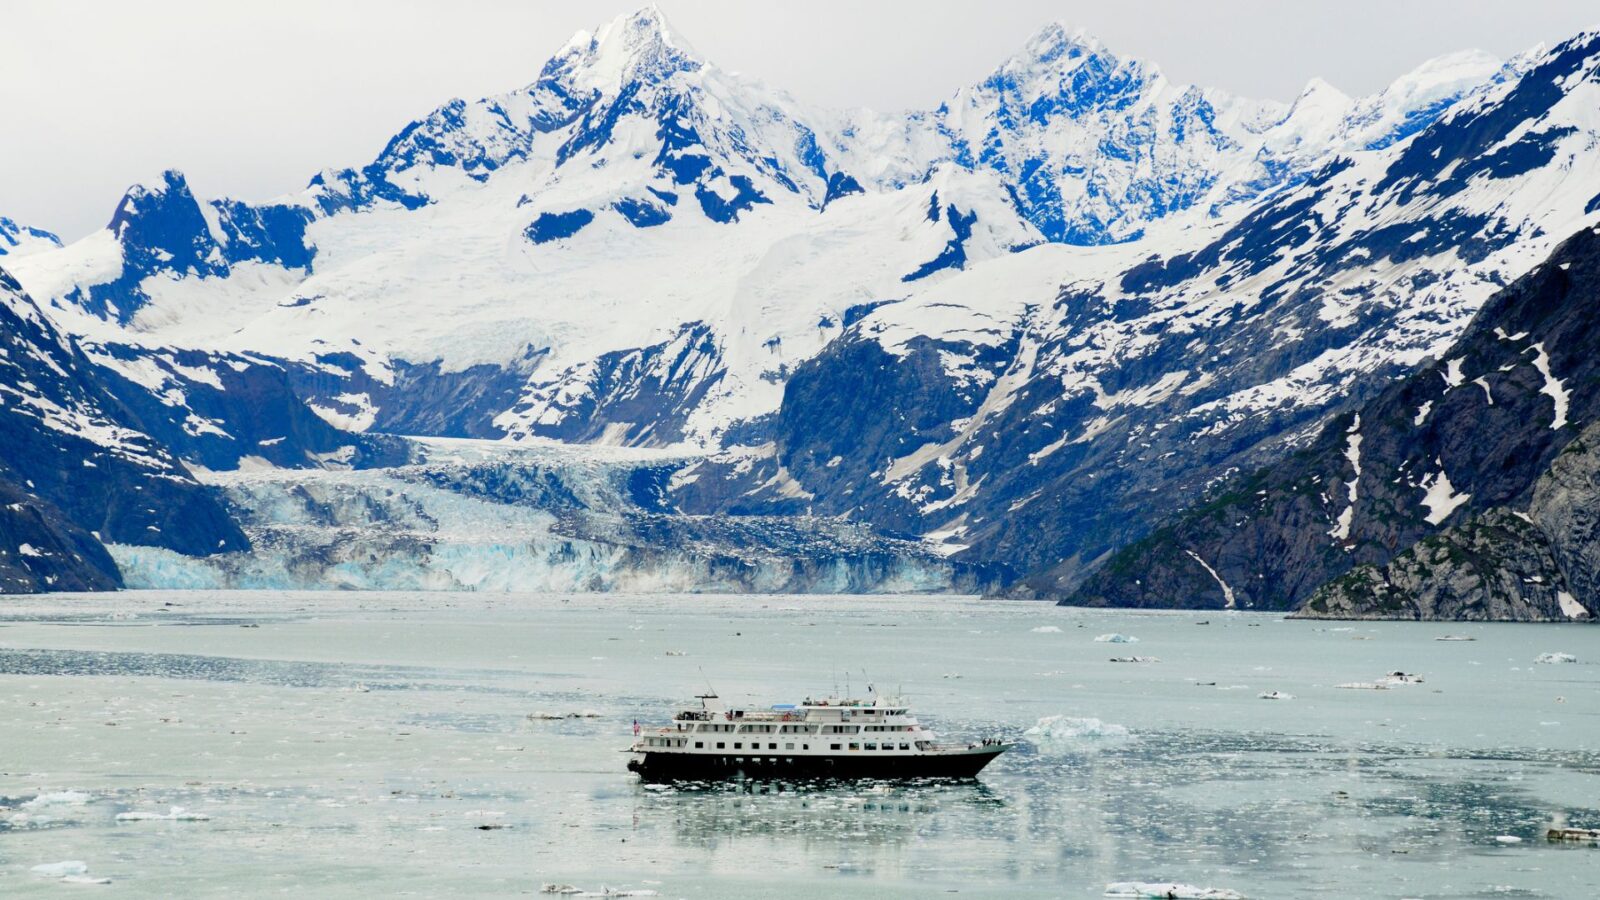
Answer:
[(362, 744)]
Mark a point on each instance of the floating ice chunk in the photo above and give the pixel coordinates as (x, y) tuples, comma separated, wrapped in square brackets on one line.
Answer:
[(1590, 835), (1363, 686), (1507, 839), (61, 869), (1046, 629), (550, 887), (1135, 659), (1398, 677), (952, 675), (177, 814), (1114, 638), (1070, 728), (58, 798), (1455, 637), (544, 716), (1275, 695), (1555, 657), (676, 653), (1169, 890)]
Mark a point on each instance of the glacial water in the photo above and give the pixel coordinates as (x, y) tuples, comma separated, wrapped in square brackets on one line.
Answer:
[(380, 744)]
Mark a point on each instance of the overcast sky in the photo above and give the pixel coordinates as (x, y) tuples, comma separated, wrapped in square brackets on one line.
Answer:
[(250, 99)]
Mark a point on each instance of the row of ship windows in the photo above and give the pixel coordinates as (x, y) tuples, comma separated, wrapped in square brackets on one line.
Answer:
[(755, 745), (800, 729)]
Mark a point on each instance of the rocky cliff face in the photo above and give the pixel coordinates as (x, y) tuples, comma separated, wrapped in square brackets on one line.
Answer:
[(78, 468), (1542, 565), (1462, 490)]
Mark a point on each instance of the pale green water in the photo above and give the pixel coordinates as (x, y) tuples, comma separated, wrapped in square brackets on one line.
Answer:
[(315, 786)]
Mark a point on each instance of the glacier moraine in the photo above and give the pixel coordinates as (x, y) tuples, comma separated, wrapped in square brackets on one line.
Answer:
[(354, 744)]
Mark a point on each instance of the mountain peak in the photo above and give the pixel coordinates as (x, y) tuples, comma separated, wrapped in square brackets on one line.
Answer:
[(638, 46), (1059, 39)]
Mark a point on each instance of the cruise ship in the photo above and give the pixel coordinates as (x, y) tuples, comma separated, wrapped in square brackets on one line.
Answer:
[(826, 738)]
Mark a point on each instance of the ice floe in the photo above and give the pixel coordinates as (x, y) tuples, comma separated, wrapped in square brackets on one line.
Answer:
[(1135, 659), (543, 716), (58, 798), (1275, 695), (1115, 638), (1555, 657), (1073, 728), (71, 871), (175, 814), (1046, 629), (1169, 891), (567, 890)]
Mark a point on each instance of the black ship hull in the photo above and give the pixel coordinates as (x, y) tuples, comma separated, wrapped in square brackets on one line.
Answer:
[(668, 766)]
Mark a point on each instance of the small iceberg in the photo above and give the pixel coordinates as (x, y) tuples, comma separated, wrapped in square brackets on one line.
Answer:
[(176, 814), (1070, 728), (1507, 839), (543, 716), (58, 798), (1275, 695), (1169, 891), (1455, 637), (1115, 638), (1582, 835), (61, 869), (1398, 677), (676, 653), (1363, 686), (1555, 658), (1135, 659), (1046, 629)]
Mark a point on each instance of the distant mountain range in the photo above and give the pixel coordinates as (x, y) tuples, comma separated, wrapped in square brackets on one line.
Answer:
[(1004, 338)]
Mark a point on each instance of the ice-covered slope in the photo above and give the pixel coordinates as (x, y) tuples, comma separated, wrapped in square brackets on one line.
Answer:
[(1065, 401), (1021, 326), (639, 246), (76, 468), (19, 240), (1442, 492)]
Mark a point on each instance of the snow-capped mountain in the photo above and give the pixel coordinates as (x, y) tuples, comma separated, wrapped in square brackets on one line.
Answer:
[(638, 226), (1465, 490), (19, 240), (1048, 408), (1022, 325), (78, 469)]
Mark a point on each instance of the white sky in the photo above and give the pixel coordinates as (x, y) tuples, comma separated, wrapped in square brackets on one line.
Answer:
[(251, 98)]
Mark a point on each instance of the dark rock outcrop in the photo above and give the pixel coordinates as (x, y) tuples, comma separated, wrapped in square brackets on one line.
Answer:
[(79, 468), (1448, 457)]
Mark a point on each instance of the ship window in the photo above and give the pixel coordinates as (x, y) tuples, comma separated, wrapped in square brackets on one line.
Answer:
[(720, 745), (855, 746), (833, 746), (738, 746), (905, 746), (699, 745), (772, 746), (805, 746), (788, 746), (872, 746)]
